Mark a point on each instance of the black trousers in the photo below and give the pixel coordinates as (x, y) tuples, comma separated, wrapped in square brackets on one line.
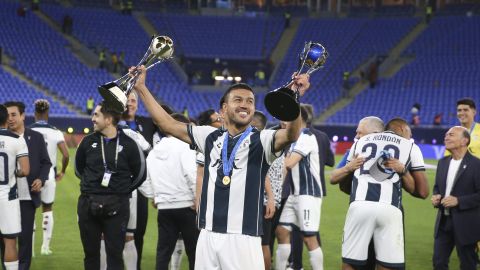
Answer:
[(142, 217), (170, 223), (113, 229), (444, 244), (27, 214)]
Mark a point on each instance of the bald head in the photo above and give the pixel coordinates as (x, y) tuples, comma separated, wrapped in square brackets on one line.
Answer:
[(457, 139), (367, 125), (400, 127)]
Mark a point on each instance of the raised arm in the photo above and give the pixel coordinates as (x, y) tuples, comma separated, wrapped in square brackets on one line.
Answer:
[(284, 137), (161, 118)]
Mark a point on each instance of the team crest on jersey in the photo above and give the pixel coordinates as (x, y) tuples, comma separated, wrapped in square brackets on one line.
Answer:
[(219, 164), (94, 145)]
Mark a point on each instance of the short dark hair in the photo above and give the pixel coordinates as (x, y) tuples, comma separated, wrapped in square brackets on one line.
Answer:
[(3, 115), (41, 106), (304, 114), (309, 108), (20, 105), (467, 101), (395, 123), (235, 87), (466, 135), (109, 111), (180, 118), (261, 116), (204, 117)]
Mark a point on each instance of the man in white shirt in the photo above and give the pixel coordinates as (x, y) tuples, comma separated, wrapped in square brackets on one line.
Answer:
[(171, 183)]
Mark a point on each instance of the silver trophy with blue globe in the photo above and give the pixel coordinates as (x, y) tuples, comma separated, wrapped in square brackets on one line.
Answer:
[(282, 103), (115, 93)]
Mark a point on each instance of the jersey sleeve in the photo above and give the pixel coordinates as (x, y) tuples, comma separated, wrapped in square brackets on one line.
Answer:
[(303, 146), (416, 160), (200, 159), (139, 139), (59, 138), (351, 153), (267, 137), (198, 136), (22, 149)]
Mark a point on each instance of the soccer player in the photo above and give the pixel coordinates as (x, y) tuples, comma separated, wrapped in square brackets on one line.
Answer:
[(53, 139), (236, 162), (376, 196), (13, 149), (303, 206)]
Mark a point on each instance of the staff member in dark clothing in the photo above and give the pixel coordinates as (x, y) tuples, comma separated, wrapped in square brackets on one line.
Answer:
[(110, 166), (28, 187), (145, 126)]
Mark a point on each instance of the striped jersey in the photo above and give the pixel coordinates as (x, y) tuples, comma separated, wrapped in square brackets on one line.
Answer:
[(306, 173), (12, 147), (52, 137), (237, 206), (364, 186)]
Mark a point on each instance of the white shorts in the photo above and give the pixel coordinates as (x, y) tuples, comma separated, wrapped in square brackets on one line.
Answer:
[(303, 211), (381, 221), (10, 225), (223, 251), (47, 194), (132, 221)]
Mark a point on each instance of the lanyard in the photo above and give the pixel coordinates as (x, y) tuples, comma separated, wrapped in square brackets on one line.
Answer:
[(116, 152)]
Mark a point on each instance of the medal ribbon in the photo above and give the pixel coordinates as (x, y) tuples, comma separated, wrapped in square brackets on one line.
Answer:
[(228, 162)]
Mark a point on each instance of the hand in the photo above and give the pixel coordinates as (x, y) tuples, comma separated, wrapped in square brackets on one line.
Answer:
[(36, 185), (436, 199), (270, 209), (153, 204), (395, 165), (142, 74), (450, 201), (355, 163), (300, 82), (59, 176)]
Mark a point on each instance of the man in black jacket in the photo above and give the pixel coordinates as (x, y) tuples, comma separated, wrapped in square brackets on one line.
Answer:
[(456, 194), (110, 166), (29, 187)]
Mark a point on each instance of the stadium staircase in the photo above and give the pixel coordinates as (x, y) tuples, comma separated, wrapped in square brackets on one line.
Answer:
[(80, 51), (283, 44), (389, 67)]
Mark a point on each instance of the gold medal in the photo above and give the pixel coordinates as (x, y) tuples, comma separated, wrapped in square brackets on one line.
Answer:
[(226, 180)]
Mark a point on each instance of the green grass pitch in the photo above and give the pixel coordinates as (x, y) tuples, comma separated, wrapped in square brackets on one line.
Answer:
[(68, 253)]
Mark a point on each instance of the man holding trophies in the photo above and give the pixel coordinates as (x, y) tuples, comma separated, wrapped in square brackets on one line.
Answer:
[(236, 159)]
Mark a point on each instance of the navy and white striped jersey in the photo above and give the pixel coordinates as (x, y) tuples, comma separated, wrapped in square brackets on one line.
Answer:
[(364, 186), (12, 147), (52, 137), (236, 207), (306, 173)]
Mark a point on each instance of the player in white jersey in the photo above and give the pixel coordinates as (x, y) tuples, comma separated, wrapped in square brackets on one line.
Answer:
[(376, 196), (303, 206), (236, 162), (130, 255), (53, 139), (13, 149)]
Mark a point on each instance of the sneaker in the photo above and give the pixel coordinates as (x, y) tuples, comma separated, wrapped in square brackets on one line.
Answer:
[(45, 251)]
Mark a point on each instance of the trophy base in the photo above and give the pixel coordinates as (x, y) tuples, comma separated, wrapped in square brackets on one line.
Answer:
[(282, 104), (113, 96)]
